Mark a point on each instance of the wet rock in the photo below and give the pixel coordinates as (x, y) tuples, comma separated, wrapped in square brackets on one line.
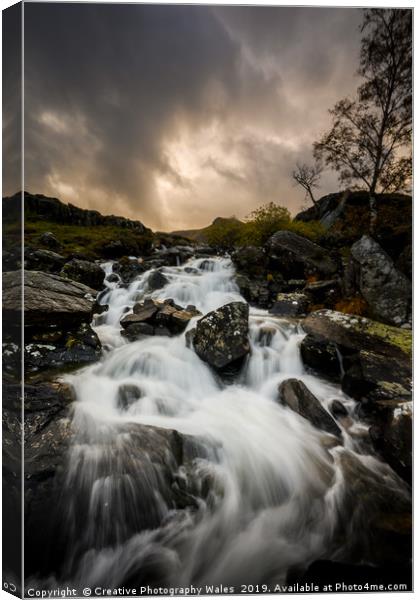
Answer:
[(221, 336), (49, 240), (43, 260), (176, 255), (338, 409), (294, 394), (175, 318), (85, 272), (143, 460), (128, 268), (165, 318), (320, 354), (250, 260), (377, 377), (255, 291), (387, 290), (290, 305), (71, 350), (136, 331), (376, 514), (295, 257), (355, 333), (375, 358), (112, 278), (157, 280), (393, 440), (127, 395)]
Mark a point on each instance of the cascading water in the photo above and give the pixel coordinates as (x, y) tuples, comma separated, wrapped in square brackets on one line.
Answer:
[(262, 488)]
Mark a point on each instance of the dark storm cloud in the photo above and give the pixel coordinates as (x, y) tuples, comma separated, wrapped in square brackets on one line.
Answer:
[(175, 114)]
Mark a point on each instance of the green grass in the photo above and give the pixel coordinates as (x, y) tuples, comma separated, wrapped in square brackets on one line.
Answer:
[(78, 239)]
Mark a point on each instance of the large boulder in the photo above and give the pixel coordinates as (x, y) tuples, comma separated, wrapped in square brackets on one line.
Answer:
[(221, 336), (387, 290), (297, 257), (49, 299), (295, 394), (85, 272), (356, 333)]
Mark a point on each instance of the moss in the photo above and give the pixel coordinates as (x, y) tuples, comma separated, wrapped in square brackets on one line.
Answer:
[(71, 342), (402, 338)]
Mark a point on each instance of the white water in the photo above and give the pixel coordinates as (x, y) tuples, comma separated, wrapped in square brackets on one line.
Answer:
[(276, 482)]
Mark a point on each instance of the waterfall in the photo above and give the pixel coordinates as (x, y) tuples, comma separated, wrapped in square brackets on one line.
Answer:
[(262, 486)]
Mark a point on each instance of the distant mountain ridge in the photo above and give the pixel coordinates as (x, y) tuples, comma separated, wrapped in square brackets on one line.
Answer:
[(200, 235)]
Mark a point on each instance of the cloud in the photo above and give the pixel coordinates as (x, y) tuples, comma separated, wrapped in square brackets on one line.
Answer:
[(176, 114)]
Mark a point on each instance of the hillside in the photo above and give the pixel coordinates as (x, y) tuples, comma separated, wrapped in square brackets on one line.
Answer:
[(201, 235), (82, 232)]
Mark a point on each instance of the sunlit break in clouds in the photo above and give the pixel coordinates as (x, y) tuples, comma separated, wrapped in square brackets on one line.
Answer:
[(175, 115)]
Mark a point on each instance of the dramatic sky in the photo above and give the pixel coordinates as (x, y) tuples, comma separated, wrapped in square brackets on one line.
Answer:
[(177, 114)]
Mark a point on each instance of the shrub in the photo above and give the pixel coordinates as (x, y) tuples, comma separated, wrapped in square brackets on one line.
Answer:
[(312, 230)]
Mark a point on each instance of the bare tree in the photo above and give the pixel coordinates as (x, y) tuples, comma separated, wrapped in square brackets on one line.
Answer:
[(308, 176), (369, 142)]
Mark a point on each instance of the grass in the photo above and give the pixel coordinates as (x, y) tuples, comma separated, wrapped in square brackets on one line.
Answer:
[(77, 239)]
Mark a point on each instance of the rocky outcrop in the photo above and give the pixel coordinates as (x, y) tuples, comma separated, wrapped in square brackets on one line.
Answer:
[(57, 316), (52, 209), (294, 394), (49, 299), (221, 336), (290, 305), (373, 362), (387, 291), (155, 317), (297, 257), (85, 272)]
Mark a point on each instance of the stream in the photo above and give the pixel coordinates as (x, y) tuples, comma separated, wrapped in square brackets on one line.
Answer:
[(265, 489)]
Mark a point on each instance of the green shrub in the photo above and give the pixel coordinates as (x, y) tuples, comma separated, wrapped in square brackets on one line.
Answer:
[(312, 230)]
